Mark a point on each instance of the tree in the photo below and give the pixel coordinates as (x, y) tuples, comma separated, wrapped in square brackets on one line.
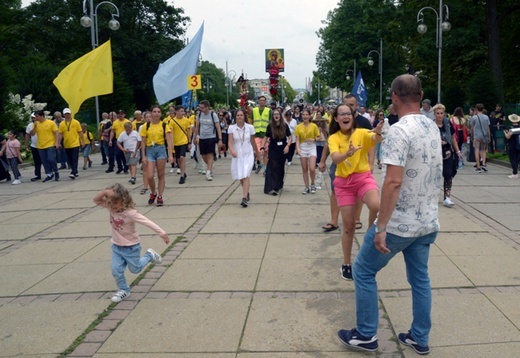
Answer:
[(351, 31), (213, 84), (50, 30)]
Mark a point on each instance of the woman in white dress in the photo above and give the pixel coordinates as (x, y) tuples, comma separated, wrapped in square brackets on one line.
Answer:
[(243, 149)]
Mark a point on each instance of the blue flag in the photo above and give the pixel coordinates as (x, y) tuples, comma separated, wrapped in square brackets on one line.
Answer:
[(360, 91), (189, 100), (170, 80)]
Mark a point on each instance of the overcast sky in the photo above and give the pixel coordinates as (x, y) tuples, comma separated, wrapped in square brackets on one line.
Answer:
[(239, 31)]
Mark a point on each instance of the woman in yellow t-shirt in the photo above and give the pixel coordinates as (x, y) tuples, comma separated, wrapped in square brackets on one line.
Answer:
[(306, 134), (349, 147), (155, 136)]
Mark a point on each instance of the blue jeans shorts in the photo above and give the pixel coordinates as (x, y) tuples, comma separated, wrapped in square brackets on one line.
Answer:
[(155, 153)]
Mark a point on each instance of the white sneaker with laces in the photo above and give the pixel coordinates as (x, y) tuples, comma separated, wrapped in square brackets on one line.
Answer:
[(16, 182), (156, 258), (119, 296), (513, 176), (447, 202), (208, 176), (172, 170), (178, 170)]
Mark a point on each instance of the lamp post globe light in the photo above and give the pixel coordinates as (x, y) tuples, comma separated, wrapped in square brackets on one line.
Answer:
[(347, 76), (89, 19), (371, 63), (441, 26)]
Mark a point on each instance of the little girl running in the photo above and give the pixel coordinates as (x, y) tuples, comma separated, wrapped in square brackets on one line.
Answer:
[(126, 248)]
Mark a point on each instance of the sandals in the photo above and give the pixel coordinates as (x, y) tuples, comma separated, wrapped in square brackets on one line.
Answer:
[(143, 191), (359, 225), (329, 227)]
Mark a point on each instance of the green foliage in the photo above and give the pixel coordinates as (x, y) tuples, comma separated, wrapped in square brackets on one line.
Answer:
[(355, 27), (482, 89), (46, 36), (213, 84)]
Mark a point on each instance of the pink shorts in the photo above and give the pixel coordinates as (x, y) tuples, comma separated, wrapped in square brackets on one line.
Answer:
[(354, 186)]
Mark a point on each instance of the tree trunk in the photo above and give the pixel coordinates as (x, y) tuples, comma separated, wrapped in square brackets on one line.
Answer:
[(494, 46)]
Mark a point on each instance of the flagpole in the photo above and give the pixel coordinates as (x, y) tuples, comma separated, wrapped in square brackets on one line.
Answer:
[(91, 21)]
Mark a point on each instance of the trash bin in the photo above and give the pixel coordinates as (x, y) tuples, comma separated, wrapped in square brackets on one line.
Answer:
[(500, 140)]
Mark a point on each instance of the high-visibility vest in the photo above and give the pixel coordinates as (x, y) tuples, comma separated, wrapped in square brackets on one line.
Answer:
[(260, 122)]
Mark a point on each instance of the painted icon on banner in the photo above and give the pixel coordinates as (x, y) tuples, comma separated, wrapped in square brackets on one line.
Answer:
[(274, 58), (194, 82)]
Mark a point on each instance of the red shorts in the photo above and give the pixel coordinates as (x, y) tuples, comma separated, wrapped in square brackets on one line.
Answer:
[(354, 186)]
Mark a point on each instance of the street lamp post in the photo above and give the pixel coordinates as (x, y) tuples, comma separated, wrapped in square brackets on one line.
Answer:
[(229, 85), (89, 19), (371, 63), (440, 27)]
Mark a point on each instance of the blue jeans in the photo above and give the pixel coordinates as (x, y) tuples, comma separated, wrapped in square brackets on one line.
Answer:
[(369, 262), (123, 256), (13, 163), (48, 157)]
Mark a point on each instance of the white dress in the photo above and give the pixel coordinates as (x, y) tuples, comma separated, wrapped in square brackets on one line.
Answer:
[(242, 165)]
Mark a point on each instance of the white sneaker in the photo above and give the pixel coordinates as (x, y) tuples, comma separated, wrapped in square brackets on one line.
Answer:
[(172, 170), (208, 176), (16, 182), (512, 176), (289, 164), (447, 202), (119, 296), (156, 258), (178, 170)]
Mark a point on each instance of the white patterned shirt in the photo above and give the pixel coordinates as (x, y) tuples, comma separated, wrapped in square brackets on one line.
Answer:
[(414, 144)]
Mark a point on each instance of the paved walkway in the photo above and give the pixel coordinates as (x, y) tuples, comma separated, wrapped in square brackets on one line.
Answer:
[(262, 281)]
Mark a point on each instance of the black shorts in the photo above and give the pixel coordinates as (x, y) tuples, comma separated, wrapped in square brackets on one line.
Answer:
[(180, 150), (207, 146)]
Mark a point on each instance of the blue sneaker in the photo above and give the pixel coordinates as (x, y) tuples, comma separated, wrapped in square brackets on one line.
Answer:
[(407, 340), (354, 340)]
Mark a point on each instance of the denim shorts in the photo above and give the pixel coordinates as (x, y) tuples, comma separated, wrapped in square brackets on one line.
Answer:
[(86, 151), (155, 153)]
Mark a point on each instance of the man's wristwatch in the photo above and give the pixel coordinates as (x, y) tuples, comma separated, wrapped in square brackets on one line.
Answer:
[(380, 229)]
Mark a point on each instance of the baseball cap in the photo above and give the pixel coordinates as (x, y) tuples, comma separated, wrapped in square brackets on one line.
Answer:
[(66, 110)]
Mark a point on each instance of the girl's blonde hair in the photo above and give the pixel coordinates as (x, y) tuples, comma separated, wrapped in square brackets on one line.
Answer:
[(121, 194)]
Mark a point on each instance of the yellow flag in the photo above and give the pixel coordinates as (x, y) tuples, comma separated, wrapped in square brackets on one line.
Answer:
[(90, 75)]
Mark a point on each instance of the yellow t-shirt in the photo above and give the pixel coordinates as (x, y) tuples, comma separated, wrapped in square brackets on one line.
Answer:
[(306, 132), (118, 126), (87, 137), (358, 163), (70, 132), (180, 136), (137, 124), (155, 134), (46, 132)]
